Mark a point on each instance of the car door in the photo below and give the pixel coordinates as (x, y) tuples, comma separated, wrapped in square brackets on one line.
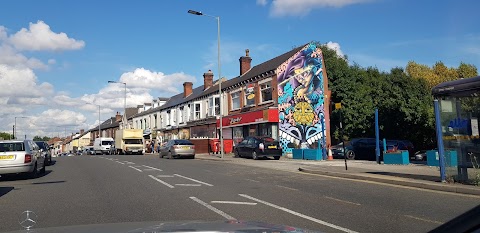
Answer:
[(164, 148), (250, 147), (241, 147)]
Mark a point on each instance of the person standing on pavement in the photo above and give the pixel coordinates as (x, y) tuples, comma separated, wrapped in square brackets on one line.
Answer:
[(153, 146)]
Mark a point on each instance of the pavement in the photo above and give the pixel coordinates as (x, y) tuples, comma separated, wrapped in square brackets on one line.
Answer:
[(416, 174), (85, 190)]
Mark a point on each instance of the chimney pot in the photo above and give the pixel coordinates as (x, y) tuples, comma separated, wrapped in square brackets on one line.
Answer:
[(245, 62)]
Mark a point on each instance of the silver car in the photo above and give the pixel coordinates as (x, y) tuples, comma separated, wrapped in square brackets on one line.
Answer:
[(178, 148), (21, 156)]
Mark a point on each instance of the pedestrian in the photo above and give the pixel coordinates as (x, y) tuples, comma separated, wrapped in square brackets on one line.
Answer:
[(153, 146)]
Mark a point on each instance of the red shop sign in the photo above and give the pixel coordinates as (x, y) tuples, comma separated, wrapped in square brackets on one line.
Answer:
[(268, 115)]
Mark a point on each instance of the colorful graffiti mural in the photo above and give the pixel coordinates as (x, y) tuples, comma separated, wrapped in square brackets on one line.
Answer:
[(301, 100)]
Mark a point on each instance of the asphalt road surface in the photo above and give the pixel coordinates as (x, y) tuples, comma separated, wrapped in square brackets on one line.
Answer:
[(84, 190)]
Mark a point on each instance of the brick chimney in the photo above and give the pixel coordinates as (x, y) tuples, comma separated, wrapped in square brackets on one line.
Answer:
[(207, 80), (245, 62), (82, 131), (187, 89), (118, 117)]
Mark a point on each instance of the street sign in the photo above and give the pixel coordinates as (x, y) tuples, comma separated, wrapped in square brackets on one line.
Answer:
[(338, 105)]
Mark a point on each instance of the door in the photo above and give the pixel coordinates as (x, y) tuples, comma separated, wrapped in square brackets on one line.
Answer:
[(250, 147)]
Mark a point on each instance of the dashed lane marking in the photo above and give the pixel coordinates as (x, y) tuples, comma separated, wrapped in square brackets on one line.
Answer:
[(234, 202), (152, 168), (188, 185), (161, 181), (136, 168), (340, 200), (207, 184)]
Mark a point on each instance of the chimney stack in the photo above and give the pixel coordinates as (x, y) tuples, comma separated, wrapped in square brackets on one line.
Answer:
[(245, 62), (82, 131), (118, 117), (207, 80), (187, 89)]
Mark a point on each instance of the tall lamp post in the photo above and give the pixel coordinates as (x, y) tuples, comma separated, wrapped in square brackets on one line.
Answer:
[(124, 101), (219, 73), (15, 127)]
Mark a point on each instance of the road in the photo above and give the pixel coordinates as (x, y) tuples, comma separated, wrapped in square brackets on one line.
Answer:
[(111, 189)]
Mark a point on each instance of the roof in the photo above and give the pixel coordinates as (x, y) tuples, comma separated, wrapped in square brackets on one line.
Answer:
[(458, 88), (198, 92), (130, 112)]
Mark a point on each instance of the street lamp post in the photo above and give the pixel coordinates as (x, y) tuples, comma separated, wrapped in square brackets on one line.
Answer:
[(219, 73), (15, 127), (124, 101)]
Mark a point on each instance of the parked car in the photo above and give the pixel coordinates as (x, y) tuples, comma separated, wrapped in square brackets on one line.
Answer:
[(419, 155), (178, 148), (258, 147), (46, 151), (21, 156), (364, 148)]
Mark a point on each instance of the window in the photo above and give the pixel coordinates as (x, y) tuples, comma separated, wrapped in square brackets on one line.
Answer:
[(249, 94), (266, 91), (168, 118), (197, 111), (185, 114), (235, 100), (181, 115), (155, 123), (213, 106)]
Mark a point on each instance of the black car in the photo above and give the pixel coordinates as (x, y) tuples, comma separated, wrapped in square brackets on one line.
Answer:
[(364, 148), (258, 147), (46, 151)]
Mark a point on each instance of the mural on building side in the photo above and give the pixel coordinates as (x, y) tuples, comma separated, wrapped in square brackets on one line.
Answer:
[(300, 100)]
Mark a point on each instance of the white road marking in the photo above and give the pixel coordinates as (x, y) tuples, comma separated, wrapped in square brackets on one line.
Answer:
[(119, 162), (340, 200), (234, 202), (285, 187), (128, 162), (162, 176), (223, 214), (161, 181), (253, 180), (422, 219), (299, 214), (188, 184), (136, 168), (153, 168), (193, 180)]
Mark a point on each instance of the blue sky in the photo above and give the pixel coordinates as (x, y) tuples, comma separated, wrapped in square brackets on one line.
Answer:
[(67, 50)]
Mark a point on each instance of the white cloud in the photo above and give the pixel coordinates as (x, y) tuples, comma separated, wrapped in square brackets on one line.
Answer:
[(21, 82), (3, 33), (166, 83), (9, 56), (39, 36), (335, 46), (262, 2), (303, 7)]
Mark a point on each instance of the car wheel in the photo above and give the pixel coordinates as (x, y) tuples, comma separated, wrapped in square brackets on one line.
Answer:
[(235, 152), (34, 173), (254, 155), (192, 157), (43, 170), (350, 155), (276, 157), (170, 156)]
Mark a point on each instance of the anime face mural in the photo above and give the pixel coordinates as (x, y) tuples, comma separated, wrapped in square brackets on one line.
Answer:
[(300, 99)]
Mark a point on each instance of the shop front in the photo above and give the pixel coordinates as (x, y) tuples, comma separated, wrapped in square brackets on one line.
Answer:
[(256, 123), (457, 108)]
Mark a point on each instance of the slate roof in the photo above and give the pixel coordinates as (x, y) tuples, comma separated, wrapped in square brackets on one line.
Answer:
[(198, 92)]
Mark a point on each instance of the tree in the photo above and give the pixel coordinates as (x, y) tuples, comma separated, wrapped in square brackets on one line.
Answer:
[(466, 70), (39, 138), (6, 136)]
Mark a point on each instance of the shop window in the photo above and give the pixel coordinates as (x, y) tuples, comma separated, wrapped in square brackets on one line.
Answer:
[(266, 91), (235, 100), (213, 106)]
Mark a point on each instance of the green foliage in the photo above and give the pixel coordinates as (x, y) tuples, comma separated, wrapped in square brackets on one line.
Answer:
[(39, 138), (6, 136), (403, 98)]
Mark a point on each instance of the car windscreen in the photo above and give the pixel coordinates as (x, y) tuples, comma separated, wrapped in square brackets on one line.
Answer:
[(42, 145), (183, 142), (11, 146), (107, 142), (133, 141)]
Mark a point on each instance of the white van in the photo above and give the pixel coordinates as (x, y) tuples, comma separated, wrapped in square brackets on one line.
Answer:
[(103, 145)]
